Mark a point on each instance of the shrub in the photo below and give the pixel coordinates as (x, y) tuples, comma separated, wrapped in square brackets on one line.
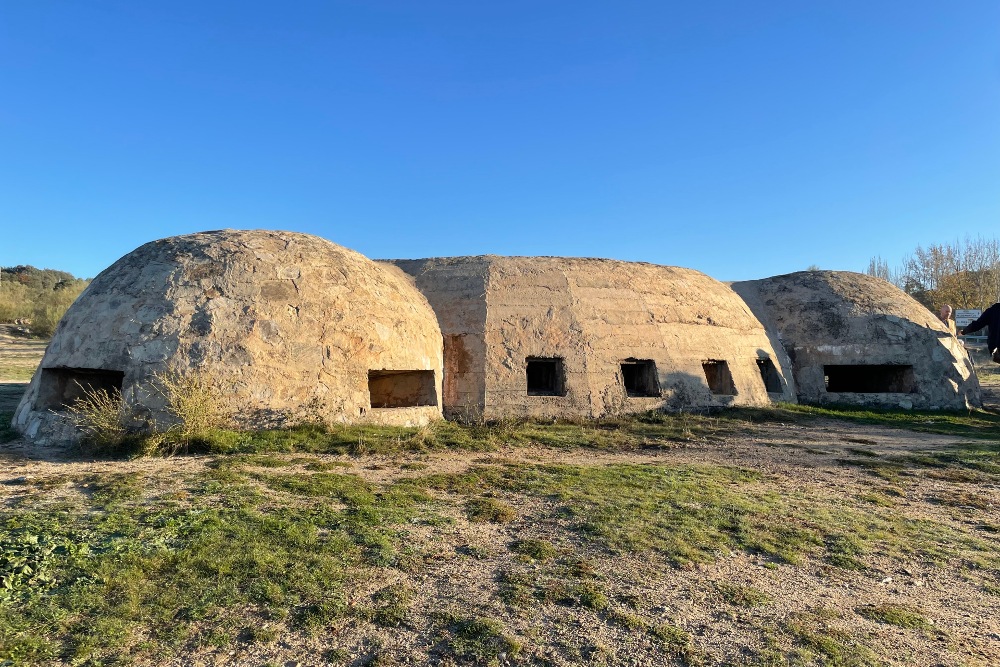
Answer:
[(195, 402), (103, 418)]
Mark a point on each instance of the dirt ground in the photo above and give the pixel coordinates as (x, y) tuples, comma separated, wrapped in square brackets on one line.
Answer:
[(965, 619)]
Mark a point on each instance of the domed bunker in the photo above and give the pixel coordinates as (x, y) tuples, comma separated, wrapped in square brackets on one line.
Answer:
[(288, 326), (569, 337), (856, 339)]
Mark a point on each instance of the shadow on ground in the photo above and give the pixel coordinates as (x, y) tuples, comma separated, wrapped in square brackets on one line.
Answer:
[(10, 395)]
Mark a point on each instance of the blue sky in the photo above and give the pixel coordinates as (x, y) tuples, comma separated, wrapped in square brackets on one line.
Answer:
[(743, 139)]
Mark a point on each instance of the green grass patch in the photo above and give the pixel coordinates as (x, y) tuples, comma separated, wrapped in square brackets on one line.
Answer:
[(479, 640), (124, 573), (898, 615), (491, 510), (540, 550), (825, 644), (689, 513), (747, 597), (977, 424), (650, 430), (13, 372)]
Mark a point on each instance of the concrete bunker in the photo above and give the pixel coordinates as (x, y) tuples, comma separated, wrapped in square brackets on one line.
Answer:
[(855, 339), (572, 337), (288, 326)]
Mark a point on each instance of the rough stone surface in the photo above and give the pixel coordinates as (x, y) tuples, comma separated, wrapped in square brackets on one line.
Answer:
[(496, 313), (288, 325), (837, 318)]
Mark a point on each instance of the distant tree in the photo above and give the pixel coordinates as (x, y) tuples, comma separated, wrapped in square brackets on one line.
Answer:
[(963, 274), (38, 295), (813, 267)]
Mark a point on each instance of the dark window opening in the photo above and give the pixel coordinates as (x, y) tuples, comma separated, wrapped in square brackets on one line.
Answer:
[(720, 380), (401, 389), (769, 374), (545, 377), (639, 377), (60, 388), (877, 379)]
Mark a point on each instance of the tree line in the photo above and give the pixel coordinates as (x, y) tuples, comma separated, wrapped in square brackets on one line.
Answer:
[(962, 274), (37, 296)]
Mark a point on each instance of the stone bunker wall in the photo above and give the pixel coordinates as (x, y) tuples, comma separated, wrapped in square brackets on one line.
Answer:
[(545, 336), (855, 339), (289, 326)]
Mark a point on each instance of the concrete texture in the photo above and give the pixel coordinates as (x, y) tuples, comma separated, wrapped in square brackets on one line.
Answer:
[(859, 340), (289, 326), (561, 337)]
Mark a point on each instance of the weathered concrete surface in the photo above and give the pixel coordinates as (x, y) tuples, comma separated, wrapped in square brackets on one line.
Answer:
[(838, 318), (593, 315), (288, 325)]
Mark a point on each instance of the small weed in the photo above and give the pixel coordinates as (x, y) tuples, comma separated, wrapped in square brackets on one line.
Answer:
[(670, 635), (516, 590), (859, 451), (391, 606), (539, 550), (898, 615), (474, 551), (483, 640), (324, 466), (742, 596), (875, 498), (413, 465), (490, 510), (627, 620), (813, 631)]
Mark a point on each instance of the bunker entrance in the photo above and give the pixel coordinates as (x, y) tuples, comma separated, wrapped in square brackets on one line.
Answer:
[(60, 388), (720, 380), (875, 379), (545, 376), (401, 389), (639, 377), (770, 376)]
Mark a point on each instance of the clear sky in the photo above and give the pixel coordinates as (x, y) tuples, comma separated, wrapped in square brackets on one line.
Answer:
[(743, 139)]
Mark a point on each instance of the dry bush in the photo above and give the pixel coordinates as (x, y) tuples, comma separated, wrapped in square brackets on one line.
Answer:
[(104, 419), (195, 402)]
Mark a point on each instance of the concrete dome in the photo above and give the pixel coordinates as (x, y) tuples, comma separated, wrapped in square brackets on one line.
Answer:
[(289, 325), (857, 339), (556, 336)]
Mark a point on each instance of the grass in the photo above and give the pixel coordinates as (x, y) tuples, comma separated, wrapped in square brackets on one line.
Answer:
[(747, 597), (483, 510), (652, 430), (823, 643), (116, 572), (482, 640), (17, 372), (690, 513), (977, 424), (270, 541), (897, 615), (539, 550)]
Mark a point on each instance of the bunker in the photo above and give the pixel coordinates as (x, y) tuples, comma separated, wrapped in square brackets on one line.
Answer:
[(855, 339), (570, 337), (289, 326)]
